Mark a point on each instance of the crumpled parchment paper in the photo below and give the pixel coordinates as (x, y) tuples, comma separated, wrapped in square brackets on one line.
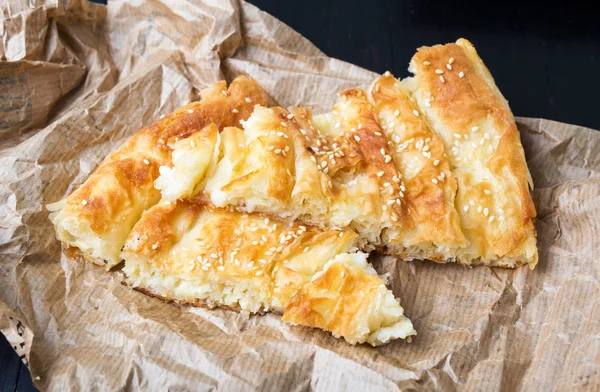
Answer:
[(76, 79)]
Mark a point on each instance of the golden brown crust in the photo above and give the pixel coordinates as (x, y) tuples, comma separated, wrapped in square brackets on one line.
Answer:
[(358, 119), (111, 200), (420, 158), (474, 120)]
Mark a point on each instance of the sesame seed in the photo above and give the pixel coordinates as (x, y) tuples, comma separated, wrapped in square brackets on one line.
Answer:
[(290, 116), (486, 211), (491, 218), (286, 149), (386, 184), (154, 246), (442, 79), (192, 144), (449, 67), (190, 111), (439, 71), (235, 111), (221, 268), (394, 217), (247, 100), (337, 124), (380, 174), (306, 249), (378, 133), (161, 141), (450, 60), (475, 129), (377, 88), (434, 180), (479, 209), (466, 208), (456, 135), (436, 162), (426, 63), (390, 202), (487, 191), (84, 202), (426, 148), (387, 73), (396, 113), (416, 113), (259, 273), (487, 136), (461, 74), (277, 151), (357, 138), (146, 162), (388, 159)]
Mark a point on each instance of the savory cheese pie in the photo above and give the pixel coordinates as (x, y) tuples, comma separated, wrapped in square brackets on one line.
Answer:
[(98, 216), (227, 202), (189, 252)]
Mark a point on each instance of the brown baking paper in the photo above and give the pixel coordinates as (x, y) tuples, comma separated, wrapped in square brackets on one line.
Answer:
[(77, 79)]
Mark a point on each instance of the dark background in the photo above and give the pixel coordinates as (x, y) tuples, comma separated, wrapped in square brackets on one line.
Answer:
[(545, 59)]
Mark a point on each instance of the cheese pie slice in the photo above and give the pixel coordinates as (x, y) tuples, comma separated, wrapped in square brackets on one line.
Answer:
[(462, 104), (97, 217), (188, 252)]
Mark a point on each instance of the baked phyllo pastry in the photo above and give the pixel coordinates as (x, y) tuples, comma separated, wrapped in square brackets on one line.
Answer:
[(97, 217), (188, 252), (461, 103)]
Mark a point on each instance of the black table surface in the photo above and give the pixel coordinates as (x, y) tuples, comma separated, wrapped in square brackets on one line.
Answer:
[(545, 59)]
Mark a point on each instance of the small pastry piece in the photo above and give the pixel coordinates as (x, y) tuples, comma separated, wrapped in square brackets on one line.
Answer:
[(458, 96), (433, 228), (191, 253), (97, 217)]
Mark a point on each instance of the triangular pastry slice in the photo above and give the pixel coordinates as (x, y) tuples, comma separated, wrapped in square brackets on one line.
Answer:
[(458, 96), (95, 219), (188, 252)]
